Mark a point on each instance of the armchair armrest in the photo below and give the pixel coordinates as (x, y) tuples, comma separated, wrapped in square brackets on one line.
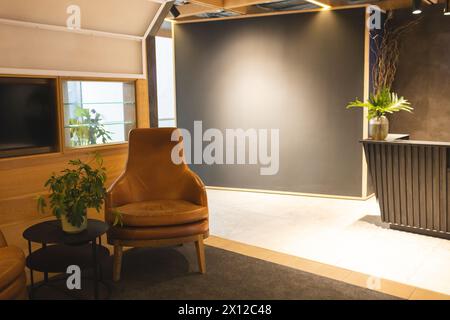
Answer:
[(116, 195), (194, 189), (3, 242)]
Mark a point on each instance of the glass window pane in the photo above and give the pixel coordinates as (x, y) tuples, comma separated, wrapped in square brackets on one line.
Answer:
[(102, 92), (98, 112), (167, 123), (165, 77)]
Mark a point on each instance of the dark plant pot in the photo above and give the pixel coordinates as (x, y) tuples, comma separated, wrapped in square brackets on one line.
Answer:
[(378, 128)]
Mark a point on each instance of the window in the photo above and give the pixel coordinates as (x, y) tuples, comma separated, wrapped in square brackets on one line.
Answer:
[(165, 82), (98, 112)]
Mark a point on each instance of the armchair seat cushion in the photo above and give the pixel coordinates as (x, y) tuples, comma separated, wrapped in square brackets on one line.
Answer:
[(12, 265), (157, 233), (161, 213)]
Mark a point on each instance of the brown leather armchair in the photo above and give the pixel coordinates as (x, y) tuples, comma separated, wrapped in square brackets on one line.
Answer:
[(161, 203), (13, 280)]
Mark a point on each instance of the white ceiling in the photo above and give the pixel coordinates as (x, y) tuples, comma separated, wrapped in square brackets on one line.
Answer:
[(130, 17)]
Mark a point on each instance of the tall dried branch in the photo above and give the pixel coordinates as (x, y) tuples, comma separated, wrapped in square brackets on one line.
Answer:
[(387, 52)]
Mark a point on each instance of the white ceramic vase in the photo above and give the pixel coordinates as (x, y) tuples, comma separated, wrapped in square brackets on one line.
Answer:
[(69, 228)]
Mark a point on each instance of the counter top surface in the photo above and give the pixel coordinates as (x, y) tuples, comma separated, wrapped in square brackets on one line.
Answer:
[(403, 139)]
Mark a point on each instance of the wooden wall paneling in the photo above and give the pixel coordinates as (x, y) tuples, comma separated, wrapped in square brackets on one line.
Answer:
[(152, 81), (390, 183), (368, 162), (371, 167), (379, 180), (415, 185), (443, 190), (436, 187), (396, 183), (22, 181), (59, 115), (448, 198), (412, 185), (142, 104), (384, 171), (409, 186), (402, 191), (429, 187), (373, 157), (422, 190), (23, 178)]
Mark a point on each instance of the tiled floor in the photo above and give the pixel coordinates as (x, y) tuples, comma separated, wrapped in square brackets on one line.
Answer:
[(342, 233)]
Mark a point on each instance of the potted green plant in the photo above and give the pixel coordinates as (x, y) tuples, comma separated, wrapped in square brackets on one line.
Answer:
[(86, 127), (74, 191), (382, 103)]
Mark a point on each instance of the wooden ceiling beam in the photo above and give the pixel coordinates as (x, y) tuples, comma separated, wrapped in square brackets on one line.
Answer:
[(191, 9), (209, 3), (243, 7), (195, 7), (242, 3)]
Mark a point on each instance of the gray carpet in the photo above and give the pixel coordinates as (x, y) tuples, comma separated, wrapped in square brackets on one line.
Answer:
[(171, 273)]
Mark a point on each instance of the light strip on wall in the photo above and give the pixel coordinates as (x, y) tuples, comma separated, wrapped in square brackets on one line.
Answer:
[(320, 4)]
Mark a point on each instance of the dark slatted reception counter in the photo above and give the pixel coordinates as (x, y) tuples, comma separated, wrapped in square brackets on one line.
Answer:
[(412, 183)]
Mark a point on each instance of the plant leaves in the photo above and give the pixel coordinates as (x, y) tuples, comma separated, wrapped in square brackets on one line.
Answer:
[(75, 190), (382, 103)]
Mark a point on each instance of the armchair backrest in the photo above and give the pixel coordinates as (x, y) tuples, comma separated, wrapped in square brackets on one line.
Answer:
[(150, 172)]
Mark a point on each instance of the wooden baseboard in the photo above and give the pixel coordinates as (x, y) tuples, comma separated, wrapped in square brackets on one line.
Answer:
[(289, 193)]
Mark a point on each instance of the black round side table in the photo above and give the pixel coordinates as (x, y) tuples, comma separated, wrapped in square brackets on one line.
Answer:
[(60, 250)]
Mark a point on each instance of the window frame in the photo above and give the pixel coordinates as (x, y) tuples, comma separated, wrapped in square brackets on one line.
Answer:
[(91, 148)]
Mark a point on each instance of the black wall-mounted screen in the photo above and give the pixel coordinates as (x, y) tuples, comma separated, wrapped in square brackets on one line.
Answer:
[(28, 121), (292, 72)]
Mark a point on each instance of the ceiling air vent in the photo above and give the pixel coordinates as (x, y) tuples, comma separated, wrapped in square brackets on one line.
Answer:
[(288, 5), (218, 14)]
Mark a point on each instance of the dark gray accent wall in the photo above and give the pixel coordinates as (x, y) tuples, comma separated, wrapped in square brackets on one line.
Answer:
[(295, 73), (423, 77)]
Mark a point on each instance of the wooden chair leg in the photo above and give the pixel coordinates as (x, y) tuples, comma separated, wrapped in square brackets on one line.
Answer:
[(200, 248), (117, 266)]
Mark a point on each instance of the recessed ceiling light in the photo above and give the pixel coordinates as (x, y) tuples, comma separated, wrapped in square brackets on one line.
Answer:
[(416, 6), (320, 4)]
